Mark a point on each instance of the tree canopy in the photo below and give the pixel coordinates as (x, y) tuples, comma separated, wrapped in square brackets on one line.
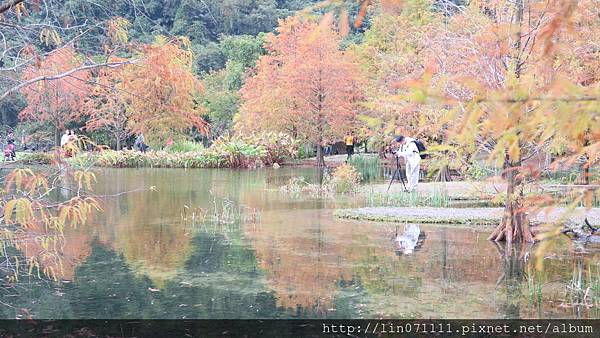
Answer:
[(304, 85)]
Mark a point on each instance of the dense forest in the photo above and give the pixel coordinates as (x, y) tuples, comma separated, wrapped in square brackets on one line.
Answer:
[(226, 37)]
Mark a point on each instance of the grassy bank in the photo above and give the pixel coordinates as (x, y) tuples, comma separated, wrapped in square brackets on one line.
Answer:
[(252, 151), (480, 218), (472, 217)]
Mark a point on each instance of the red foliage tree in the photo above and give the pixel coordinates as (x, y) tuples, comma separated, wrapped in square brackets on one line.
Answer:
[(57, 101)]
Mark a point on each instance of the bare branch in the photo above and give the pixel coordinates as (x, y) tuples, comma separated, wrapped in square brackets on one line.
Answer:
[(7, 6), (65, 74)]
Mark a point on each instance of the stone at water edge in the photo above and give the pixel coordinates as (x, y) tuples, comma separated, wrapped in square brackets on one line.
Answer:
[(276, 165)]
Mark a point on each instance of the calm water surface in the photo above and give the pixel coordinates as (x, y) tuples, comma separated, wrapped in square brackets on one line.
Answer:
[(275, 255)]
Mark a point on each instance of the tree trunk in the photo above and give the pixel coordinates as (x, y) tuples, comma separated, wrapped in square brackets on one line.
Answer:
[(585, 174), (320, 157), (381, 152), (519, 10), (118, 143), (588, 194), (585, 167), (56, 136), (443, 175), (515, 224)]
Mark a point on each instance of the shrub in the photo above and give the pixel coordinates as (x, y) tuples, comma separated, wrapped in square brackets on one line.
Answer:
[(277, 146), (304, 151), (242, 151), (35, 158), (478, 172), (237, 153), (345, 179), (376, 143), (185, 147), (156, 159), (254, 150)]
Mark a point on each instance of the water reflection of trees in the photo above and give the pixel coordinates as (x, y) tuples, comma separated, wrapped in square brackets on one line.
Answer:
[(220, 279), (298, 261), (567, 285), (350, 271), (306, 255), (457, 273), (513, 263)]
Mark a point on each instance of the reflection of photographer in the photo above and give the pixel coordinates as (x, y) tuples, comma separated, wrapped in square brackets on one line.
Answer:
[(410, 240), (410, 149)]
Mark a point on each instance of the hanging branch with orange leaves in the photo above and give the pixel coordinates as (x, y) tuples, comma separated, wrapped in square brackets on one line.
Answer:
[(32, 221)]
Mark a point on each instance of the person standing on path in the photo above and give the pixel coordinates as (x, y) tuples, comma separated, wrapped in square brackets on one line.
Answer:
[(409, 150), (326, 147), (140, 143), (10, 138), (10, 152), (349, 140), (65, 138)]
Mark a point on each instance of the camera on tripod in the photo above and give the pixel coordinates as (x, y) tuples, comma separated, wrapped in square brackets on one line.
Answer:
[(398, 174)]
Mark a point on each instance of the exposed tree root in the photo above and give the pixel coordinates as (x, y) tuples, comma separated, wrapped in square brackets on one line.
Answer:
[(443, 175)]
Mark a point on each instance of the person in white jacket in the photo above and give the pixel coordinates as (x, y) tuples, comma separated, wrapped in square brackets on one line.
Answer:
[(65, 138), (409, 151)]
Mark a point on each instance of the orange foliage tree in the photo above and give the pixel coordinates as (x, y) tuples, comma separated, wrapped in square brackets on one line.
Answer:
[(56, 102), (394, 53), (304, 86), (522, 80), (106, 105), (162, 90)]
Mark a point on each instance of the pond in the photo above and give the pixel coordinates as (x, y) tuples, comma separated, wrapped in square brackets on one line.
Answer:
[(266, 254)]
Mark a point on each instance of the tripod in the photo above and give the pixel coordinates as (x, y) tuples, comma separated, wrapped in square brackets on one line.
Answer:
[(397, 172)]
